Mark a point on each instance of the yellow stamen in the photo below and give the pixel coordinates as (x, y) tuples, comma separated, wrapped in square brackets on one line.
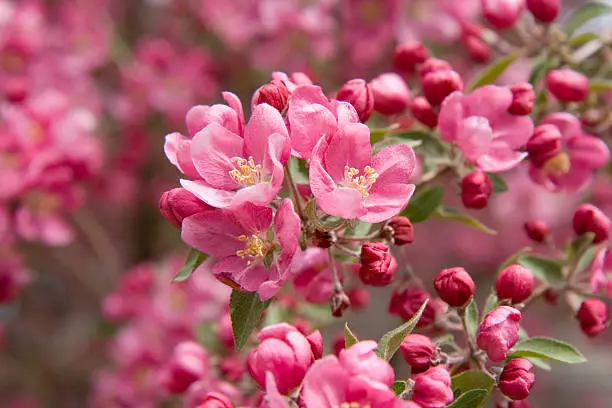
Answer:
[(246, 173), (360, 183), (255, 248), (354, 405), (558, 165)]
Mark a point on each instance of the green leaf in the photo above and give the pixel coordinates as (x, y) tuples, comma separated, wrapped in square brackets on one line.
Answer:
[(582, 39), (546, 269), (471, 318), (585, 13), (424, 204), (376, 135), (298, 170), (580, 244), (471, 399), (538, 362), (452, 214), (471, 380), (597, 85), (390, 342), (245, 310), (547, 349), (490, 304), (349, 337), (540, 68), (512, 259), (499, 184), (398, 387), (586, 259), (491, 73), (194, 259)]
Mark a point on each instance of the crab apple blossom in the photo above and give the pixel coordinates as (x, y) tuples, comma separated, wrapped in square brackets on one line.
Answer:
[(593, 316), (312, 276), (358, 93), (454, 286), (523, 98), (588, 218), (502, 14), (391, 95), (515, 283), (480, 125), (423, 112), (274, 93), (516, 380), (408, 55), (498, 332), (188, 364), (348, 182), (567, 85), (255, 247), (377, 264), (437, 85), (418, 351), (476, 188), (432, 388)]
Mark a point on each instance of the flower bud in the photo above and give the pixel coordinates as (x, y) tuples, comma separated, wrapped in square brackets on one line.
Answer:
[(567, 85), (284, 352), (537, 231), (177, 204), (216, 400), (516, 380), (439, 84), (545, 11), (544, 144), (423, 112), (274, 93), (359, 298), (515, 283), (188, 365), (498, 332), (408, 55), (232, 368), (403, 231), (316, 344), (476, 188), (391, 95), (593, 316), (432, 388), (454, 286), (523, 98), (339, 303), (433, 65), (358, 93), (551, 296), (502, 14), (418, 351), (322, 239), (405, 303), (338, 344), (589, 218), (377, 264), (16, 89), (477, 49)]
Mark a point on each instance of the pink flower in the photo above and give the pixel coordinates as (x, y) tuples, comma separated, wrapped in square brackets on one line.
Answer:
[(312, 276), (189, 363), (347, 182), (254, 255), (601, 272), (432, 388), (481, 126), (391, 94), (356, 376), (581, 154), (498, 332), (234, 170)]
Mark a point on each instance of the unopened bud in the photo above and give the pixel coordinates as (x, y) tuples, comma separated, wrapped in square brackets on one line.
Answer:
[(515, 283), (358, 93), (391, 95), (403, 231), (544, 144), (593, 316), (378, 266), (477, 49), (476, 188), (418, 351), (433, 65), (454, 286), (408, 55), (589, 218), (537, 231), (339, 303), (177, 204), (567, 85), (439, 84), (274, 93), (359, 298), (516, 380), (423, 112), (523, 98), (322, 239), (502, 14), (545, 11), (216, 400)]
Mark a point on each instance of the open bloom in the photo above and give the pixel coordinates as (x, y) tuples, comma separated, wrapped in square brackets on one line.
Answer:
[(348, 182), (312, 276), (479, 123), (254, 254), (572, 168)]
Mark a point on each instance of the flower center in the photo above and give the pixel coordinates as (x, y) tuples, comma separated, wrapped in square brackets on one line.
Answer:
[(255, 248), (354, 405), (246, 172), (558, 165), (361, 183)]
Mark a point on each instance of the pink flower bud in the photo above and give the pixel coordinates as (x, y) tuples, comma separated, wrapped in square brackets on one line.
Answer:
[(502, 14), (16, 89), (377, 264), (418, 351), (403, 231), (589, 218), (567, 85), (339, 303), (432, 388), (516, 380), (284, 352), (476, 188), (537, 231), (391, 95), (405, 303), (177, 204), (338, 344), (408, 55), (544, 144), (439, 84), (523, 98), (498, 332), (593, 316), (515, 283), (358, 93), (216, 400), (477, 49), (433, 65), (423, 112), (316, 343), (454, 286), (232, 368), (188, 365), (359, 298), (545, 11), (274, 93)]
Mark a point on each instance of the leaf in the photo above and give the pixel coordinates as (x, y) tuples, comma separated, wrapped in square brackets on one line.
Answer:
[(471, 399), (585, 13), (499, 184), (586, 259), (538, 362), (547, 349), (451, 214), (546, 269), (194, 259), (245, 310), (424, 204), (398, 387), (512, 259), (471, 318), (491, 73), (582, 39), (298, 170), (490, 304), (349, 337), (471, 380), (376, 135), (597, 85), (390, 342), (540, 68), (580, 244)]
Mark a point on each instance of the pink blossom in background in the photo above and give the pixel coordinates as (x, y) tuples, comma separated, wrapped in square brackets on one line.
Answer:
[(312, 276), (601, 272)]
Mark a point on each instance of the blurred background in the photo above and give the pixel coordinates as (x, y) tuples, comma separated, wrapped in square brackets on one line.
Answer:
[(89, 89)]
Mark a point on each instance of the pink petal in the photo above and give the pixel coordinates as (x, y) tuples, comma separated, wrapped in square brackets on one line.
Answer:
[(387, 203), (568, 124), (450, 120), (320, 181), (264, 122), (248, 277), (287, 226), (588, 151), (394, 164), (234, 102), (514, 130), (489, 101), (350, 146), (500, 158), (252, 218), (323, 385), (178, 151), (200, 116), (474, 137), (211, 196), (214, 232), (342, 202)]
